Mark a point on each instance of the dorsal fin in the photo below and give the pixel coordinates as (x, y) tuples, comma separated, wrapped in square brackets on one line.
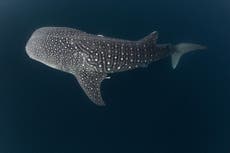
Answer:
[(152, 37)]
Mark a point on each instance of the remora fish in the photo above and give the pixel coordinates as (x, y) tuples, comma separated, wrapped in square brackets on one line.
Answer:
[(90, 58)]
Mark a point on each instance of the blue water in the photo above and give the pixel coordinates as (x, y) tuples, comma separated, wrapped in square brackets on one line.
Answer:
[(153, 110)]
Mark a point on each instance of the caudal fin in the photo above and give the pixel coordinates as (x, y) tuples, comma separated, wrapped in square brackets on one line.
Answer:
[(181, 49)]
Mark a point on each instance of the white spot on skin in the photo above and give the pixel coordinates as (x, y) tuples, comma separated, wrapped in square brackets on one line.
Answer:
[(75, 54), (108, 77)]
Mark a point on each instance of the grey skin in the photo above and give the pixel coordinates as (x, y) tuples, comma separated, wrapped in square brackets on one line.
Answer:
[(90, 58)]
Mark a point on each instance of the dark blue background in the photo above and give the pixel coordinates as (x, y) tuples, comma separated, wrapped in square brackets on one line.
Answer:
[(153, 110)]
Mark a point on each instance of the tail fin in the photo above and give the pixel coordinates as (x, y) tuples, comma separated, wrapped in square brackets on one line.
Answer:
[(181, 49)]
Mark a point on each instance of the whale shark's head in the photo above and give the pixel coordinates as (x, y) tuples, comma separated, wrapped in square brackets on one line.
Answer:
[(40, 48)]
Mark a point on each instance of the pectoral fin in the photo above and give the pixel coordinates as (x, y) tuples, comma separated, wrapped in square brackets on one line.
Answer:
[(90, 81)]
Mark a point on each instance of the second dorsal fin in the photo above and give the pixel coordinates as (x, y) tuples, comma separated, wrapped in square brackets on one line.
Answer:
[(152, 37)]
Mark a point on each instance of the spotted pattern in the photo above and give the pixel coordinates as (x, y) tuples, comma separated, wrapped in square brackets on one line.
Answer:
[(91, 57)]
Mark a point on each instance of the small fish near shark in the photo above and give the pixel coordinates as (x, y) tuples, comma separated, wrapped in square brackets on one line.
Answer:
[(90, 58)]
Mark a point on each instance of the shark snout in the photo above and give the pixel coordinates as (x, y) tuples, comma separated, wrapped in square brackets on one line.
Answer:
[(34, 46), (29, 48)]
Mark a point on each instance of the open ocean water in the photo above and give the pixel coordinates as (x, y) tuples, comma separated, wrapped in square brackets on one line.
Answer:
[(152, 110)]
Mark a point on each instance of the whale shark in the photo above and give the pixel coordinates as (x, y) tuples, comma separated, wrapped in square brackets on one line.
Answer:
[(92, 58)]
